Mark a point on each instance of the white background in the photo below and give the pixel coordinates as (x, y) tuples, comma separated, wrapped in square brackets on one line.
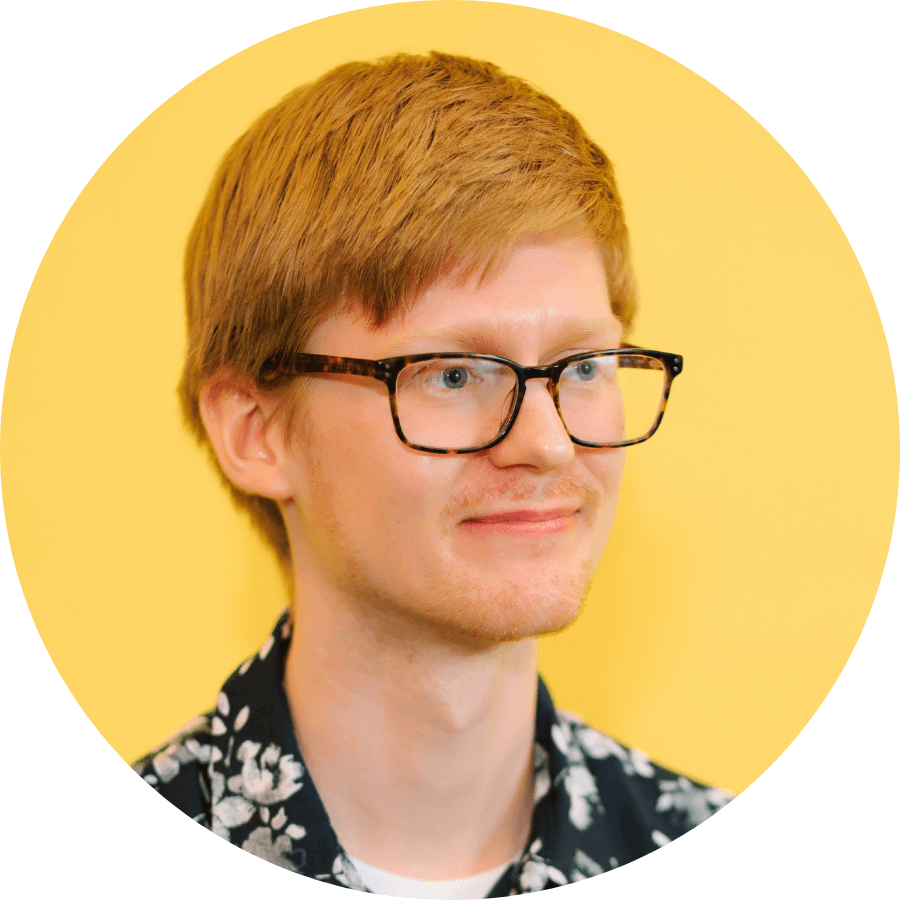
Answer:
[(820, 76)]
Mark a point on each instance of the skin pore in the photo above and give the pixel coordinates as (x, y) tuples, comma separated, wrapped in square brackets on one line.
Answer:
[(422, 580)]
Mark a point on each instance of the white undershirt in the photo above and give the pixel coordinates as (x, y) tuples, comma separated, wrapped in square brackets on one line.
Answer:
[(473, 888)]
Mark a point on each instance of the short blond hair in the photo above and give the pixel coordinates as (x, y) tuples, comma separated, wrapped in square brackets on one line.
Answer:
[(362, 188)]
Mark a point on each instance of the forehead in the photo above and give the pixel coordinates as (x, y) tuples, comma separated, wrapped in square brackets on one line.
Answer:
[(548, 291)]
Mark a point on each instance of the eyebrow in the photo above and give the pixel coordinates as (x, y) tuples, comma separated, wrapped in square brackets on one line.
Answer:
[(491, 335)]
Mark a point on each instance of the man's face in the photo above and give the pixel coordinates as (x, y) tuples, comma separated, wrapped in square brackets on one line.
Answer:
[(498, 544)]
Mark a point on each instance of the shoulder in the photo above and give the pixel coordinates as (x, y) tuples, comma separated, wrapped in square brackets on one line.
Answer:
[(646, 799), (178, 768)]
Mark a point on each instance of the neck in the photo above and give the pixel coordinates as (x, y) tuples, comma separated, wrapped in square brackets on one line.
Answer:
[(419, 744)]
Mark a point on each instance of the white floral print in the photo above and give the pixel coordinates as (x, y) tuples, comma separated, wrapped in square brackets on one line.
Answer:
[(584, 801), (695, 802), (584, 867), (270, 780), (345, 873), (238, 771), (536, 873), (263, 844), (541, 774)]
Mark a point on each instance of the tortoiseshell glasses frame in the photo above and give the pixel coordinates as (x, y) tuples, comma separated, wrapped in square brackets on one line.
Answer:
[(388, 370)]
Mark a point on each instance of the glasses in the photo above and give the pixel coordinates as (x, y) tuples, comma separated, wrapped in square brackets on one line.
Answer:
[(465, 402)]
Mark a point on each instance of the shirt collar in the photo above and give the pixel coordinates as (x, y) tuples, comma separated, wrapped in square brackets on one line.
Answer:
[(262, 797)]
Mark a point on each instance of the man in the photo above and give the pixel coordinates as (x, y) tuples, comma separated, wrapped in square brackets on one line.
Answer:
[(408, 291)]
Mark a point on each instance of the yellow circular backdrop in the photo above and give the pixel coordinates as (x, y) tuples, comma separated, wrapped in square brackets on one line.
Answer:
[(752, 530)]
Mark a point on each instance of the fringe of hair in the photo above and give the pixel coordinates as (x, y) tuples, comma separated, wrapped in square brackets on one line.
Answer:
[(365, 187)]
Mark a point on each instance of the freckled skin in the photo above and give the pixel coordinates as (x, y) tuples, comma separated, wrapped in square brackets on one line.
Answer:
[(379, 523)]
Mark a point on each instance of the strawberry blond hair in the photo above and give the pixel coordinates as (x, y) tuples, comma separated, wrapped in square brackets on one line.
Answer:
[(364, 187)]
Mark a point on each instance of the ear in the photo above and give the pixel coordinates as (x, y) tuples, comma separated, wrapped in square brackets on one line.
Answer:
[(246, 440)]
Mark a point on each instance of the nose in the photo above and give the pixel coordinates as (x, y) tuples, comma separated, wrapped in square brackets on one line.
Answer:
[(538, 437)]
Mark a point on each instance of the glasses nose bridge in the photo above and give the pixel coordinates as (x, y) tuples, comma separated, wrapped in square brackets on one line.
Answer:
[(541, 373), (548, 428), (525, 374)]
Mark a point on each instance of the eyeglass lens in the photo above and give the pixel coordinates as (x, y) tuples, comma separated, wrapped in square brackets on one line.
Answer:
[(458, 404)]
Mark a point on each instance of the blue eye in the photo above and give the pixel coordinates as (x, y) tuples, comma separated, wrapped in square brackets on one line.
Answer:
[(586, 370), (454, 377)]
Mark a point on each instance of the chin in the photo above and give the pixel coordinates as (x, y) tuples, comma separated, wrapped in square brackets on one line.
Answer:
[(498, 611), (476, 607)]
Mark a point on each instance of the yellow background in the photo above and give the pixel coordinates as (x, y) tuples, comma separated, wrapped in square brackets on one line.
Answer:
[(752, 529)]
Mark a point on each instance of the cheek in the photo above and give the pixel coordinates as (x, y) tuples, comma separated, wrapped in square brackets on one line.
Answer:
[(617, 465), (361, 475), (606, 468)]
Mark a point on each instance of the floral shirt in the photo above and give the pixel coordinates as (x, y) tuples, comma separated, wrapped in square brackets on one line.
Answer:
[(237, 770)]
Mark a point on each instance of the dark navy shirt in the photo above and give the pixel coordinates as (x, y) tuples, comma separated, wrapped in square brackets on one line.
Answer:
[(237, 770)]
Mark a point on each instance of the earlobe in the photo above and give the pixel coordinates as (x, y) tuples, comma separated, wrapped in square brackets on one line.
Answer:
[(246, 443)]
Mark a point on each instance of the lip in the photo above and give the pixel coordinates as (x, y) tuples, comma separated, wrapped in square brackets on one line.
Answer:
[(523, 521), (523, 515)]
